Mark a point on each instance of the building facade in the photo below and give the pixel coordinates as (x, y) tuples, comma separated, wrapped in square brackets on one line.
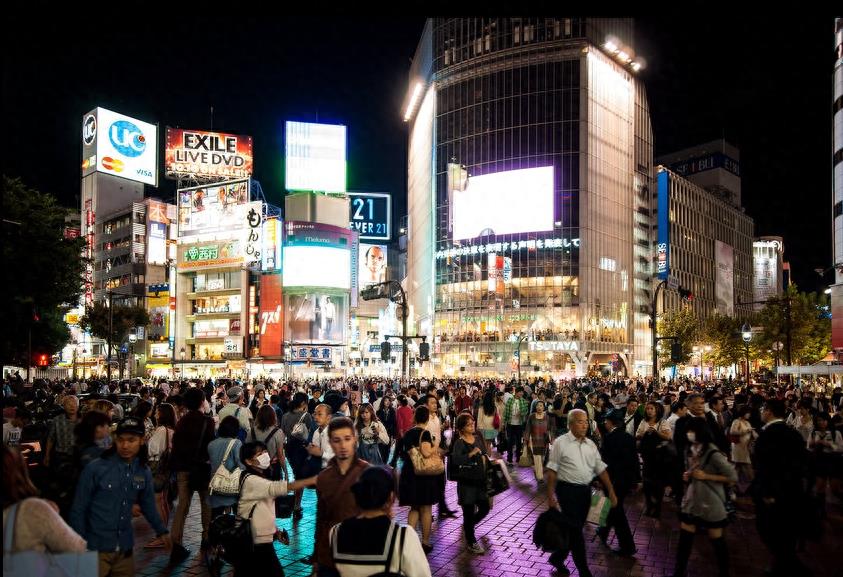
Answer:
[(768, 269), (837, 192), (529, 179)]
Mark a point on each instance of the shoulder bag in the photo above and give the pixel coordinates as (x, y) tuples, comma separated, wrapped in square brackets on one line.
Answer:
[(161, 468), (426, 466), (43, 564), (285, 504), (300, 431), (225, 482)]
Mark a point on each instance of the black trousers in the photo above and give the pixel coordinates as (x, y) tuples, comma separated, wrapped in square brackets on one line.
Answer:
[(473, 514), (575, 501), (515, 436), (263, 561), (617, 520), (778, 531)]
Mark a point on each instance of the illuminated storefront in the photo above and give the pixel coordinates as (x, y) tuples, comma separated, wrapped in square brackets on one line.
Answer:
[(529, 174)]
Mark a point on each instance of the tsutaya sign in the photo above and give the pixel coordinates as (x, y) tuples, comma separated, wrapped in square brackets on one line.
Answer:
[(554, 346), (531, 244)]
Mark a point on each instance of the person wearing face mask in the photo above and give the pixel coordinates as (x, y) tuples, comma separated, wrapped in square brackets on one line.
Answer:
[(257, 502), (707, 473)]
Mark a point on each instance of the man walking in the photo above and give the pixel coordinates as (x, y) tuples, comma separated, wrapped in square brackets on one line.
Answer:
[(618, 452), (515, 414), (574, 461)]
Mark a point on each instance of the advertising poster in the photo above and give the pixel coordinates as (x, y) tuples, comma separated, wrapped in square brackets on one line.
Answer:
[(271, 320), (156, 252), (724, 260), (315, 318), (120, 145), (372, 263), (198, 153), (215, 208), (159, 316), (371, 215), (306, 243), (315, 157)]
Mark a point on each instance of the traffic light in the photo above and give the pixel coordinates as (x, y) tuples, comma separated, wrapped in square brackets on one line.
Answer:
[(372, 292), (424, 351), (386, 351), (686, 294), (43, 361), (675, 353)]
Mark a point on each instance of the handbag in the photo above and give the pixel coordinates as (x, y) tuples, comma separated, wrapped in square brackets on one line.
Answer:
[(526, 459), (43, 564), (496, 421), (161, 468), (233, 533), (426, 466), (473, 472), (285, 504), (300, 430), (225, 482), (497, 478), (599, 510)]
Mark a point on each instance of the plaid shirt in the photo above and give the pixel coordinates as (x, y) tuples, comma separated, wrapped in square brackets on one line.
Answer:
[(525, 409), (61, 433)]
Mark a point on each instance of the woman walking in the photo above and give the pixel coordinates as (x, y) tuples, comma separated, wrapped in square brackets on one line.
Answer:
[(227, 441), (419, 492), (741, 435), (654, 435), (537, 435), (159, 446), (704, 504), (467, 465), (370, 433), (267, 431), (486, 417)]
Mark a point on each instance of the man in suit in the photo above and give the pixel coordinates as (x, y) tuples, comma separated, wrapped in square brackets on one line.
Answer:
[(778, 489), (633, 417), (618, 452)]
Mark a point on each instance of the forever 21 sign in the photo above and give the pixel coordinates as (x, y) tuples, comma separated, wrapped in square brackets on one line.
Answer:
[(371, 215)]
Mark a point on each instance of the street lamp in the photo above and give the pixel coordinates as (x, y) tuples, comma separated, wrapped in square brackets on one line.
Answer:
[(746, 333), (182, 352), (777, 346)]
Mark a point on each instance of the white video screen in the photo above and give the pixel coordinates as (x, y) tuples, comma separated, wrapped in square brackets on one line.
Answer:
[(508, 202), (317, 266)]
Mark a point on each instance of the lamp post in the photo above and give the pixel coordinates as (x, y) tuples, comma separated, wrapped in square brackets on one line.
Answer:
[(182, 353), (707, 349), (777, 346), (521, 338), (746, 333)]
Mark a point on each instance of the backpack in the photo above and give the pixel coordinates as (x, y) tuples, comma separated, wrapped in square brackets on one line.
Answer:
[(232, 533)]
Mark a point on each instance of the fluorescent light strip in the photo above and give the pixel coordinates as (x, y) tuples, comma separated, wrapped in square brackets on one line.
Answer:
[(413, 100)]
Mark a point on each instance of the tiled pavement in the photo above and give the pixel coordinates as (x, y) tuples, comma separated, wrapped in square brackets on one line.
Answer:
[(507, 533)]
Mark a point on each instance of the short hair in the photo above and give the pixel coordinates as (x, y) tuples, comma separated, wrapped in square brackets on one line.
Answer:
[(462, 421), (299, 399), (229, 427), (338, 423), (776, 407), (265, 418), (402, 400), (249, 450), (692, 397), (701, 431), (422, 414), (193, 399), (324, 406), (632, 400), (374, 486), (573, 413)]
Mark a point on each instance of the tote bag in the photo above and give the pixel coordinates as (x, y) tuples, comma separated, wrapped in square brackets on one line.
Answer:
[(38, 564)]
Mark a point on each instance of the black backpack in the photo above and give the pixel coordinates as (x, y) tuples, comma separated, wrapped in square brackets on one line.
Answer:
[(232, 534)]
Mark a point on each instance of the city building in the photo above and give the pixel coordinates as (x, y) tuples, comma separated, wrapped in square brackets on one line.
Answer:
[(529, 197), (768, 269), (837, 192), (706, 244), (714, 166)]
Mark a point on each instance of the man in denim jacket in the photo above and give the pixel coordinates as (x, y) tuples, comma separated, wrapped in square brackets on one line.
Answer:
[(107, 490)]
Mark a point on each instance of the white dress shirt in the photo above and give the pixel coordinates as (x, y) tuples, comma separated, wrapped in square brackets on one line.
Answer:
[(320, 439), (575, 461), (434, 427)]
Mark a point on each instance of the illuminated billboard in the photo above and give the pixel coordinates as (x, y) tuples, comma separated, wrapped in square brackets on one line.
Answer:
[(509, 202), (272, 235), (317, 266), (315, 317), (215, 208), (201, 154), (372, 264), (156, 243), (371, 215), (271, 319), (315, 157), (120, 145), (724, 288), (159, 317)]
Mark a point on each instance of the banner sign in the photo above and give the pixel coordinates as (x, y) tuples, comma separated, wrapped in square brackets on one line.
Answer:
[(198, 154)]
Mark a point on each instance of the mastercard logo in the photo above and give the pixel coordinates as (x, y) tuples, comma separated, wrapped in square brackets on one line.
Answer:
[(112, 164)]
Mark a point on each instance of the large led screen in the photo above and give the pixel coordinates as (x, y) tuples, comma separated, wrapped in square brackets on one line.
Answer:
[(508, 202), (315, 157), (214, 208), (197, 154), (315, 318), (372, 263), (317, 266)]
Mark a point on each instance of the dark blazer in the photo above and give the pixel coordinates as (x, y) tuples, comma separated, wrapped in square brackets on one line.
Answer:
[(637, 417), (190, 446), (681, 428), (780, 463), (619, 454)]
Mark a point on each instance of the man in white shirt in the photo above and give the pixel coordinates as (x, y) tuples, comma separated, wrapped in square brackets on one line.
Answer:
[(319, 444), (574, 461)]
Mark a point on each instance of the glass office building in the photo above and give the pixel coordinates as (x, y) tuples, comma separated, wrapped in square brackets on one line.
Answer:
[(529, 181)]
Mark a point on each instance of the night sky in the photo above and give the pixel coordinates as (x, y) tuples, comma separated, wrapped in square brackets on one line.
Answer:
[(763, 82)]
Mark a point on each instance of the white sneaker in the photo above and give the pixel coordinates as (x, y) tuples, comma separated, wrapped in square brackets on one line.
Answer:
[(476, 548)]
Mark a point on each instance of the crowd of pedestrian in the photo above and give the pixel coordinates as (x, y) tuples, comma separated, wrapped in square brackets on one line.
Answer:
[(369, 445)]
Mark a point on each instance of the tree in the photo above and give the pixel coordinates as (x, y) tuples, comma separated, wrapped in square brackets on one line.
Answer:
[(810, 327), (122, 319), (723, 334), (682, 324), (45, 273)]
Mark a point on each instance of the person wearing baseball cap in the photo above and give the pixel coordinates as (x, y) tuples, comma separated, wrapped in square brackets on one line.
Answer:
[(107, 489), (236, 407)]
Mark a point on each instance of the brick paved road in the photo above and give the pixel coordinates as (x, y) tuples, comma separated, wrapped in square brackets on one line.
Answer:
[(507, 534)]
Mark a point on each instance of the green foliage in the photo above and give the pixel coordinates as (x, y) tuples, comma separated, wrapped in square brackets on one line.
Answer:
[(723, 334), (684, 325), (122, 319), (810, 333), (45, 272)]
